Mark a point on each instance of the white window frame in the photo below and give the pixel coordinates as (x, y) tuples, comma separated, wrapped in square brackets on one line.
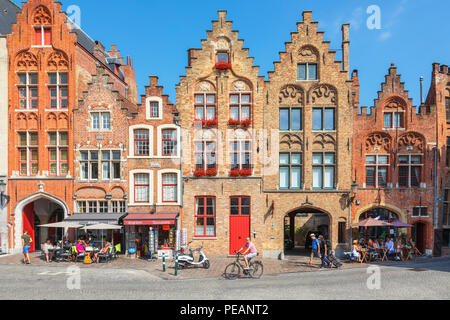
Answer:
[(28, 147), (148, 110), (131, 187), (27, 87), (241, 152), (42, 45), (160, 191), (159, 142), (410, 165), (99, 164), (131, 140), (58, 87), (376, 165), (58, 149), (100, 113), (393, 119)]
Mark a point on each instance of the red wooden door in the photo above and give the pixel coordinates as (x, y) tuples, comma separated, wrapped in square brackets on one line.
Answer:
[(28, 223), (239, 222)]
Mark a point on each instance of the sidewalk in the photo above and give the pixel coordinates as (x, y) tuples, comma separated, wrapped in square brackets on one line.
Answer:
[(218, 264)]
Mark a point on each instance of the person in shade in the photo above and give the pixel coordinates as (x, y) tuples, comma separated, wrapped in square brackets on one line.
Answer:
[(26, 244), (323, 252)]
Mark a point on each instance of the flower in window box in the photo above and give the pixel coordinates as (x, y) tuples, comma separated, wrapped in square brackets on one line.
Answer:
[(222, 65), (199, 173), (246, 123), (234, 123), (235, 173), (209, 123), (246, 172), (211, 172)]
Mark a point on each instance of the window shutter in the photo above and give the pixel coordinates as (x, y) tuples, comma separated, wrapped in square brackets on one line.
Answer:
[(38, 36)]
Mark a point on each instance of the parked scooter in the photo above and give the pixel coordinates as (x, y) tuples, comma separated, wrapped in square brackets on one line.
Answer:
[(186, 259)]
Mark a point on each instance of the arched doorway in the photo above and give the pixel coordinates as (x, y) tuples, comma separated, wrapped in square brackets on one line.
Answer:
[(382, 214), (34, 211), (298, 226), (419, 235)]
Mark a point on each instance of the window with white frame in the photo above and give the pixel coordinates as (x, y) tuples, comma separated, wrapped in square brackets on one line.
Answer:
[(141, 188), (205, 155), (28, 153), (59, 90), (377, 167), (169, 142), (394, 120), (420, 212), (290, 170), (101, 121), (307, 71), (324, 167), (205, 106), (240, 106), (28, 90), (118, 206), (241, 154), (142, 142), (101, 206), (42, 36), (108, 160), (169, 187), (409, 171), (154, 109), (58, 144)]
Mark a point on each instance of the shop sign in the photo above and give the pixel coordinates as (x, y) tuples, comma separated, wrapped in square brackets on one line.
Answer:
[(149, 222)]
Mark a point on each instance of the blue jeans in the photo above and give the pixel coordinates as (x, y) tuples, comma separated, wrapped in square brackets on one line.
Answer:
[(325, 260)]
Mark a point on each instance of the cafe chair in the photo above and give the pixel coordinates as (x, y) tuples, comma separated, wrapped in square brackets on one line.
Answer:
[(107, 256), (66, 253)]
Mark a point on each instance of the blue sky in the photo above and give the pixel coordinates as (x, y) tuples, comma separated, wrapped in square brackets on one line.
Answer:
[(157, 34)]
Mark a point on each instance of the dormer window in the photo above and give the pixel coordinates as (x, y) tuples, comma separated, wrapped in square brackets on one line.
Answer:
[(223, 57), (42, 36)]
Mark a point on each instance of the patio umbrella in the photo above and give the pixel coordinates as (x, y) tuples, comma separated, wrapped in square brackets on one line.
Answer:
[(62, 225), (399, 224), (371, 223), (103, 226)]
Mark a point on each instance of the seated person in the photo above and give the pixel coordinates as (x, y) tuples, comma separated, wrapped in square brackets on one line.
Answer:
[(372, 250), (47, 248), (355, 256), (80, 247), (398, 249), (411, 244), (103, 251), (389, 245)]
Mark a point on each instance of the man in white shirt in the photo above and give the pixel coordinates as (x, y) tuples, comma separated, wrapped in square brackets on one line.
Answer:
[(389, 245)]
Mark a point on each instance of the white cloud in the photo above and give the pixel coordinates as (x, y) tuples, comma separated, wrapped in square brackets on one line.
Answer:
[(385, 35)]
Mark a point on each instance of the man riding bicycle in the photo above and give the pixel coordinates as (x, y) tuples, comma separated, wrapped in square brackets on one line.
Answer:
[(249, 253)]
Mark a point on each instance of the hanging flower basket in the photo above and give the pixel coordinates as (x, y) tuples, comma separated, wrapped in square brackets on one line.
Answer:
[(222, 65)]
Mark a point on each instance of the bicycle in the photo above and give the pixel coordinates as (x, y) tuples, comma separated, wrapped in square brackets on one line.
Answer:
[(233, 270)]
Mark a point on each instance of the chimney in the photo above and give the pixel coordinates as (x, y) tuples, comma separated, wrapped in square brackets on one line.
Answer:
[(307, 16), (153, 81), (345, 47), (421, 90)]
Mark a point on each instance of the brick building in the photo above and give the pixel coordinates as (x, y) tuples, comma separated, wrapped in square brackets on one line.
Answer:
[(51, 62), (101, 147), (438, 103), (153, 161), (393, 161), (309, 118), (8, 14), (220, 101)]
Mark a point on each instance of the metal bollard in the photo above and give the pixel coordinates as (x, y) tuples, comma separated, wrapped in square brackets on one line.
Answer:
[(176, 265), (164, 263)]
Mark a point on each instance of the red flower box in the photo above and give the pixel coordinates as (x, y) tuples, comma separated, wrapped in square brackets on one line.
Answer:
[(211, 172), (246, 123), (234, 123), (199, 173), (237, 123), (209, 123), (235, 173), (222, 65), (240, 173)]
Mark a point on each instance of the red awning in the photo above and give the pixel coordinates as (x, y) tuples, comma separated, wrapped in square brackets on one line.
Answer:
[(145, 219)]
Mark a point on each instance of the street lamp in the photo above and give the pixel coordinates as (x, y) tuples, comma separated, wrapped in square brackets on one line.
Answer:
[(350, 200), (4, 198)]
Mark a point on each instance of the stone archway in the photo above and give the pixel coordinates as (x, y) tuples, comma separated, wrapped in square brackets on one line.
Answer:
[(299, 223), (19, 210)]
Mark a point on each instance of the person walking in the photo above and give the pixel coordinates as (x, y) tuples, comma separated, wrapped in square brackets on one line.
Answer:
[(323, 247), (26, 244), (315, 246)]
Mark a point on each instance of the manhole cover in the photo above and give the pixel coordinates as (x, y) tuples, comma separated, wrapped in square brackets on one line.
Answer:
[(418, 270)]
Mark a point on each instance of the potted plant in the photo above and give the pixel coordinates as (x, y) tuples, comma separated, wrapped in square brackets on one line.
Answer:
[(209, 123), (246, 123), (235, 173), (233, 123), (246, 172)]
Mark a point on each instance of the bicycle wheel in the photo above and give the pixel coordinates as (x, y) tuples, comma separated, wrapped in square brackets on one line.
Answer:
[(232, 271), (257, 269)]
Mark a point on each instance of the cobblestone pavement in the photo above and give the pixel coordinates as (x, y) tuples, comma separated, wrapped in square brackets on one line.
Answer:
[(218, 264)]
